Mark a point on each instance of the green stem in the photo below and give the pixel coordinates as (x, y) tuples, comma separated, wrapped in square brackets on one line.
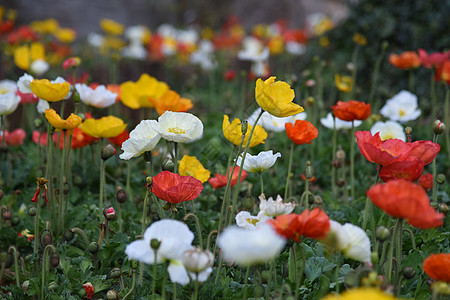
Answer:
[(368, 206), (376, 71), (199, 227), (247, 273), (299, 281), (132, 286), (262, 183), (394, 244), (398, 256), (174, 296), (49, 173), (333, 157), (195, 296), (81, 232), (144, 225), (154, 274), (61, 185), (288, 176), (16, 264), (208, 241), (434, 174), (175, 163), (36, 223), (102, 188), (352, 162)]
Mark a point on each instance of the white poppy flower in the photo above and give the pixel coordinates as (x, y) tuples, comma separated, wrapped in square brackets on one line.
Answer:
[(389, 130), (272, 123), (249, 247), (351, 240), (198, 263), (137, 33), (402, 107), (24, 83), (295, 48), (142, 138), (100, 97), (95, 40), (178, 127), (253, 50), (245, 220), (259, 163), (273, 208), (39, 67), (328, 122), (174, 237), (42, 106), (135, 51), (8, 98)]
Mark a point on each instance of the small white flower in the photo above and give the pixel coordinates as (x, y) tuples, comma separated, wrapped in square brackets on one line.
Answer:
[(389, 130), (245, 220), (137, 33), (100, 97), (134, 50), (328, 122), (351, 240), (203, 56), (250, 247), (402, 107), (95, 40), (273, 208), (272, 123), (39, 67), (198, 263), (178, 127), (42, 106), (8, 98), (295, 48), (24, 83), (175, 238), (142, 138), (259, 163), (253, 50)]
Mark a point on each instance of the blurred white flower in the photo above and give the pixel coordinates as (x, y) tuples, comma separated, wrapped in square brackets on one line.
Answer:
[(137, 34), (99, 97), (295, 48), (95, 40), (402, 107), (203, 56), (42, 106), (24, 83), (273, 208), (178, 127), (8, 98), (142, 138), (39, 67), (245, 220), (198, 263), (259, 163), (272, 123), (340, 124), (253, 50), (389, 130), (174, 237), (134, 50), (249, 247)]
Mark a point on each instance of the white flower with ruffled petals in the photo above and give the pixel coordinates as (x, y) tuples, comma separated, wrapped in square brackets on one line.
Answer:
[(402, 107), (42, 106), (174, 237), (143, 138), (249, 247), (258, 163), (245, 220), (199, 263), (273, 208), (389, 130), (23, 83), (8, 98), (328, 122), (39, 67), (99, 97), (179, 127)]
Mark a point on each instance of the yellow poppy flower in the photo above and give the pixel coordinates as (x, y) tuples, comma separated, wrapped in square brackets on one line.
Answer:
[(143, 92), (60, 124), (105, 127), (111, 27), (25, 55), (45, 26), (361, 293), (65, 35), (360, 39), (276, 98), (343, 83), (232, 132), (191, 166), (51, 92), (172, 101)]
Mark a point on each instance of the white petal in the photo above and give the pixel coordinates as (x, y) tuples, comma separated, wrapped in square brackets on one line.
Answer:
[(177, 272)]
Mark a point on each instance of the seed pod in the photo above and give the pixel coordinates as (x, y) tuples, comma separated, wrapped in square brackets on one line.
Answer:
[(121, 196), (54, 260), (382, 233), (409, 272)]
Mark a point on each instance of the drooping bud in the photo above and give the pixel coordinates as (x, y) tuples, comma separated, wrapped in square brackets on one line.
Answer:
[(121, 195), (309, 171), (107, 152), (109, 213), (382, 233), (441, 178), (93, 247), (409, 272), (154, 244), (6, 214), (46, 238), (68, 235), (438, 127), (54, 260)]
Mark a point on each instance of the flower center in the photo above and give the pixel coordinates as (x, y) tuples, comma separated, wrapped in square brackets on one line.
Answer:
[(252, 221), (402, 113), (176, 130), (3, 91)]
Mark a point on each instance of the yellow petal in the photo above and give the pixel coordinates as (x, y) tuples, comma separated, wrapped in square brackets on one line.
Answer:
[(22, 57), (105, 127), (191, 166), (51, 92)]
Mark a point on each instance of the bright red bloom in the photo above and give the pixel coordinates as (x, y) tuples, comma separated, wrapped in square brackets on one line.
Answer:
[(175, 188), (14, 138), (409, 169), (437, 266), (405, 61), (21, 35), (229, 75), (302, 132), (426, 151), (403, 199), (89, 288), (27, 98), (435, 59), (220, 180), (426, 181), (313, 224), (351, 110), (71, 62), (118, 140)]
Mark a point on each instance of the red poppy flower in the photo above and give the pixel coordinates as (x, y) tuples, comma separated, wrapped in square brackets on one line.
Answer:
[(26, 98), (405, 61), (443, 72), (301, 132), (89, 288), (426, 151), (403, 199), (39, 137), (426, 181), (14, 138), (381, 152), (351, 110), (118, 140), (175, 188), (409, 169), (313, 224), (437, 266), (434, 59), (220, 180)]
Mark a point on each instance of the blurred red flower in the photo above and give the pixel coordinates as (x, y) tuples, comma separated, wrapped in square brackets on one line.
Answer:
[(220, 180), (426, 151), (229, 75), (426, 181), (301, 132), (39, 137), (27, 97), (313, 224), (435, 59), (403, 199), (175, 188), (351, 110), (14, 138), (405, 61), (437, 266), (118, 140), (443, 72)]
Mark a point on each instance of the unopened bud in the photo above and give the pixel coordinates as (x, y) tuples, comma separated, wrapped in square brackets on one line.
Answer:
[(309, 170), (148, 180), (76, 97), (154, 244), (440, 178), (309, 101), (54, 260), (244, 127), (443, 208), (112, 295), (167, 164), (340, 154), (46, 238), (115, 273), (107, 152), (248, 203), (340, 182), (121, 195), (258, 291), (93, 247), (68, 235), (32, 211), (384, 45), (409, 272), (134, 264), (374, 257), (6, 214), (265, 276), (382, 233), (109, 213), (438, 127), (38, 123)]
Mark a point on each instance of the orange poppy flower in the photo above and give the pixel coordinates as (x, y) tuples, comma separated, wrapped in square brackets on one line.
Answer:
[(301, 132), (403, 199), (79, 139), (175, 188), (220, 180), (172, 101), (443, 72), (313, 224), (437, 266), (405, 61), (351, 110)]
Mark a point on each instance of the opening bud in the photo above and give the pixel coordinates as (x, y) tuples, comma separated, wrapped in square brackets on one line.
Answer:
[(107, 152), (438, 127), (109, 213), (443, 208), (112, 295)]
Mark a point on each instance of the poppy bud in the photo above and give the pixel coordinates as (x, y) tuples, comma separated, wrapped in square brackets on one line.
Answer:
[(244, 127), (154, 244), (340, 182), (318, 200), (32, 211), (46, 238), (112, 295), (115, 273), (440, 178), (167, 164), (68, 235), (382, 233), (52, 286), (443, 208), (93, 247), (197, 260), (248, 203), (149, 180), (409, 272), (265, 276), (309, 171), (54, 260), (438, 127), (15, 221), (76, 97), (134, 264), (121, 195), (25, 285), (107, 152), (340, 154), (374, 257), (109, 213), (309, 101), (6, 214), (258, 291), (337, 163)]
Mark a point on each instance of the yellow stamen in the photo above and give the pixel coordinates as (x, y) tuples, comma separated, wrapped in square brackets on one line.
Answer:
[(252, 221), (176, 130), (401, 112)]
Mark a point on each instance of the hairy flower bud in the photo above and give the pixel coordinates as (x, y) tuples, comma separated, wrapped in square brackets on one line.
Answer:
[(46, 238), (443, 208), (441, 178), (93, 247), (109, 213), (121, 195), (32, 211), (248, 203), (68, 235), (309, 170), (438, 127), (382, 233), (409, 272), (107, 152), (115, 273), (244, 127), (112, 295), (197, 260), (54, 260)]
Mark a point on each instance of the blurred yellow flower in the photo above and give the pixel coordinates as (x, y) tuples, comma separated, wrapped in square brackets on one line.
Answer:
[(361, 293), (113, 42), (65, 35), (26, 54), (143, 92), (276, 45), (276, 98), (191, 166), (111, 27), (343, 83), (324, 25), (360, 39), (324, 41), (60, 124), (45, 26), (233, 133), (105, 127), (172, 101), (51, 92)]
